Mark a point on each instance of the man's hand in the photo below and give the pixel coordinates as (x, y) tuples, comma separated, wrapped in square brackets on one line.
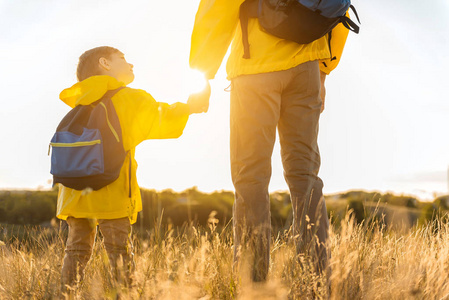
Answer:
[(323, 89), (199, 102)]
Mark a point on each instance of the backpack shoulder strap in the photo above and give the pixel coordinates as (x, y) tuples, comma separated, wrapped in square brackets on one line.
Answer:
[(348, 23), (109, 94), (248, 9)]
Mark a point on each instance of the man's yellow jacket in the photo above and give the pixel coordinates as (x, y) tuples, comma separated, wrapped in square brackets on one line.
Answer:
[(217, 24)]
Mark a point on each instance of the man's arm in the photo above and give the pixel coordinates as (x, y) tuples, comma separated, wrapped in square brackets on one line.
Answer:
[(337, 43), (215, 24)]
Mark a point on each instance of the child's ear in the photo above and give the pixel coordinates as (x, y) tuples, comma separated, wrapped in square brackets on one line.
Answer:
[(104, 64)]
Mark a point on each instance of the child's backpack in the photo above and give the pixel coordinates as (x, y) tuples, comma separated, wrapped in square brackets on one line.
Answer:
[(301, 21), (87, 146)]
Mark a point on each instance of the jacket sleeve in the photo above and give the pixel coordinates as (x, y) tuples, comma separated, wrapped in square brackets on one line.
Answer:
[(339, 35), (142, 118), (214, 27)]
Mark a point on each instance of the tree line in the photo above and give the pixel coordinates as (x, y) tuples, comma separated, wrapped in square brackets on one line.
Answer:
[(193, 206)]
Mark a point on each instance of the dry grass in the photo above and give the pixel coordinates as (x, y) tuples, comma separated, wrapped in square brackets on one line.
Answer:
[(367, 262)]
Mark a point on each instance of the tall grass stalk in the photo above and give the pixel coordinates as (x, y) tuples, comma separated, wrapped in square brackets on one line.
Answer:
[(368, 261)]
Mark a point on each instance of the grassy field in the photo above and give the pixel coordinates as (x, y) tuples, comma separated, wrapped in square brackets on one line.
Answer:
[(367, 262)]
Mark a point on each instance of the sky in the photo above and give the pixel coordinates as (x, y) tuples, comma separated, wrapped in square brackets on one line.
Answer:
[(384, 127)]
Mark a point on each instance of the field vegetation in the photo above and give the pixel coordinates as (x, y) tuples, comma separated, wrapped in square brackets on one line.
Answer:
[(389, 247)]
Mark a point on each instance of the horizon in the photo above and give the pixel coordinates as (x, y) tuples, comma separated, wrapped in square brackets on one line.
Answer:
[(432, 198)]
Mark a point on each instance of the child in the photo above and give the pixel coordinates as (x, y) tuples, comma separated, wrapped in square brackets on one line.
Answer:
[(114, 207)]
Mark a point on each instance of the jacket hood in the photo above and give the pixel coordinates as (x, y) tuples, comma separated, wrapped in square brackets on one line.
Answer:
[(89, 90)]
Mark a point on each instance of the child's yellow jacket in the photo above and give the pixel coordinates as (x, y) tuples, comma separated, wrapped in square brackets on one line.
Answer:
[(141, 118), (217, 24)]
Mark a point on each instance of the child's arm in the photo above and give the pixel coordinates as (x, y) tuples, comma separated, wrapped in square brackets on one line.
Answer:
[(142, 118)]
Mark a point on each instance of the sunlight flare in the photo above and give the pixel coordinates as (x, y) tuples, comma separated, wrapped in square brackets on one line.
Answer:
[(194, 81)]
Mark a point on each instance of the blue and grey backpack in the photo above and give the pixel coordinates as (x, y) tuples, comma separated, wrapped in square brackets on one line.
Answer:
[(301, 21), (87, 146)]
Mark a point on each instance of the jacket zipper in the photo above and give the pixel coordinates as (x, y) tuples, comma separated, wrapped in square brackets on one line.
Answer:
[(109, 123), (129, 178), (76, 144)]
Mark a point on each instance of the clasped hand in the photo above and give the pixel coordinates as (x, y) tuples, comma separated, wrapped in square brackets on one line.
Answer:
[(199, 102)]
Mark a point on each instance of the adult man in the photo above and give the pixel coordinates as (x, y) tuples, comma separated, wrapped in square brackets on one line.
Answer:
[(281, 85)]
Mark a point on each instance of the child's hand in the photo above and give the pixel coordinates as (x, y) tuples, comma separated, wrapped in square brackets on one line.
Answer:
[(199, 102)]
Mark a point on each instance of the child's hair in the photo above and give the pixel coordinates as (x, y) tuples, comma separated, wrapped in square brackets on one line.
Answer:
[(88, 61)]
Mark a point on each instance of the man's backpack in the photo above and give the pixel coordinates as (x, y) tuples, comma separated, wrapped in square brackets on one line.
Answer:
[(87, 146), (301, 21)]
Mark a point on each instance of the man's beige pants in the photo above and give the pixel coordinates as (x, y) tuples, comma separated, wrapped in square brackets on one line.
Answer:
[(117, 242), (289, 100)]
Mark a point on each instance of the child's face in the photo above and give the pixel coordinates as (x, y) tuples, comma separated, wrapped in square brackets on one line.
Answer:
[(119, 68)]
